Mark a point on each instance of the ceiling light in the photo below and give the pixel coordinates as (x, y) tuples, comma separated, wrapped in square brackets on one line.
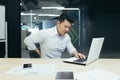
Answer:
[(68, 9), (48, 15), (52, 7), (28, 14)]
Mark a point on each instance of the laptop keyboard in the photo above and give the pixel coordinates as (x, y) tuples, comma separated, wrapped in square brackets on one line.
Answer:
[(80, 60)]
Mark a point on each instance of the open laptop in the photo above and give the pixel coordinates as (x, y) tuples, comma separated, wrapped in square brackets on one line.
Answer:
[(94, 53)]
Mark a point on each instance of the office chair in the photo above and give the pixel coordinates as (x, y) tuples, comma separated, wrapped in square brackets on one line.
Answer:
[(33, 54)]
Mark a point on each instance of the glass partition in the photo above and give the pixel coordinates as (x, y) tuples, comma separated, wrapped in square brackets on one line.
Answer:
[(44, 18)]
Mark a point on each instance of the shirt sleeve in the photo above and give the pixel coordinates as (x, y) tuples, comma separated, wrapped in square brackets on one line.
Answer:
[(36, 37), (70, 46)]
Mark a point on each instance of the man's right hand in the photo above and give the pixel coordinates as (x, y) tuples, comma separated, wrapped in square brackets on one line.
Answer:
[(38, 52)]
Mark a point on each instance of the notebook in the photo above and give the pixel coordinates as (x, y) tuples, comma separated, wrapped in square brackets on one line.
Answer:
[(93, 55)]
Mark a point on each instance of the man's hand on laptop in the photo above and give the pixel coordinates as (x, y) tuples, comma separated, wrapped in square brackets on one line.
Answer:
[(78, 55)]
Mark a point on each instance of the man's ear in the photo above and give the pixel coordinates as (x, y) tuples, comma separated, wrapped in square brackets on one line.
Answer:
[(58, 22)]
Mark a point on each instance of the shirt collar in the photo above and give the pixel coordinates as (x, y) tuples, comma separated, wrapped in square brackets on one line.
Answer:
[(55, 30), (56, 33)]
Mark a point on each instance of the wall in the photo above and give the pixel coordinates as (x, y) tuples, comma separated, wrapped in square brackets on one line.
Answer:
[(2, 44), (102, 18), (13, 19)]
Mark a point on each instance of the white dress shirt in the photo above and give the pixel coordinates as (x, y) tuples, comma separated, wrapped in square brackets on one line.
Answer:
[(51, 44)]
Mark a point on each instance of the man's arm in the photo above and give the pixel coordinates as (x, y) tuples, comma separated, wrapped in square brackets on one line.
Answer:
[(32, 39), (72, 50)]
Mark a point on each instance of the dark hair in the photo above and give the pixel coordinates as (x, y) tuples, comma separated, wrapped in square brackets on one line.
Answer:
[(63, 17)]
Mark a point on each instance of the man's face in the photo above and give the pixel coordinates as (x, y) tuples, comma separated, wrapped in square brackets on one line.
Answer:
[(63, 27)]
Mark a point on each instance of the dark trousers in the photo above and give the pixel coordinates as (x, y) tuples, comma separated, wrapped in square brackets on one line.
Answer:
[(33, 54)]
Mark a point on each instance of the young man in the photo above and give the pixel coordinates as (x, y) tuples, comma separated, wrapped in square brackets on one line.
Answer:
[(53, 41)]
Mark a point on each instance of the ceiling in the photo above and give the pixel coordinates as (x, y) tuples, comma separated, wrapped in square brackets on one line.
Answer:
[(37, 4), (34, 6), (91, 7)]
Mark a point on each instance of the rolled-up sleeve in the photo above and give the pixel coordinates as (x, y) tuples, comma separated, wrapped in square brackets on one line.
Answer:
[(33, 38)]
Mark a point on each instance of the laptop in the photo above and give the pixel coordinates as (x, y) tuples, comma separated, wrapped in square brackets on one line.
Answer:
[(93, 55)]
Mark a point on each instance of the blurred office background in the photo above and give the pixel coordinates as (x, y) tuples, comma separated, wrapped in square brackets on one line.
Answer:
[(93, 18)]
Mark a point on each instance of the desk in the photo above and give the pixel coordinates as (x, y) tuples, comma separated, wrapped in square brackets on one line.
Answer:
[(6, 64)]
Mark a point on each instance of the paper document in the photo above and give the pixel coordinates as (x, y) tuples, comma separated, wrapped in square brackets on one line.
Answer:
[(96, 75), (40, 69)]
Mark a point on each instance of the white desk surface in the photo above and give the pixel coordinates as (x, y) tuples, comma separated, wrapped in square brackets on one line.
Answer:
[(112, 65)]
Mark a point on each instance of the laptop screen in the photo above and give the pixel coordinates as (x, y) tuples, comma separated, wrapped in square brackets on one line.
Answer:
[(95, 49)]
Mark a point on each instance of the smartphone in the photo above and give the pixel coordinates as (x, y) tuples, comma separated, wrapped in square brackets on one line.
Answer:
[(28, 65)]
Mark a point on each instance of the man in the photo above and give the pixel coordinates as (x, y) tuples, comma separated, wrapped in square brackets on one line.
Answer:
[(53, 41)]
